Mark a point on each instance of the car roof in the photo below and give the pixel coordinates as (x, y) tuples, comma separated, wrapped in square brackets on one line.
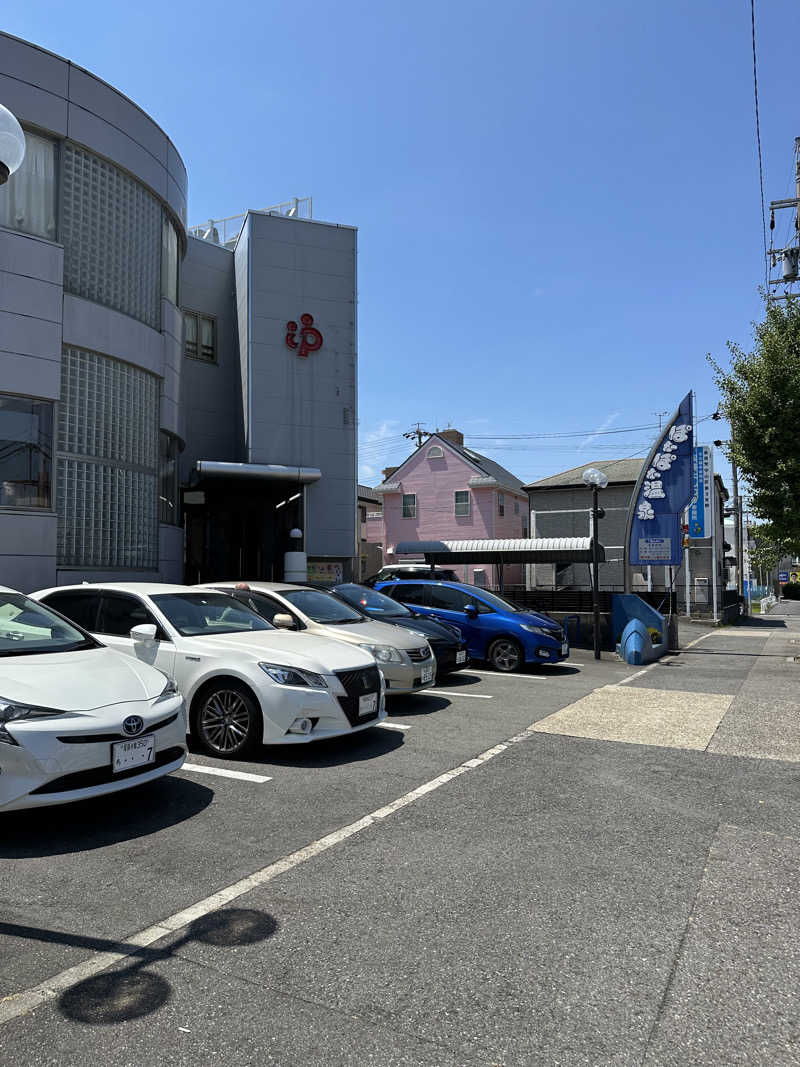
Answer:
[(264, 587), (142, 588), (465, 586)]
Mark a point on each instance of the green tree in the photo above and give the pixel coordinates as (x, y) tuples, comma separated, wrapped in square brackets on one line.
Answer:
[(761, 399), (769, 550)]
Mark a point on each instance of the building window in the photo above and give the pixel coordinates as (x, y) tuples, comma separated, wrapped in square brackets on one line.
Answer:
[(461, 502), (435, 452), (200, 336), (168, 488), (107, 463), (524, 530), (169, 261), (26, 451), (28, 199), (409, 505), (501, 504), (111, 229), (516, 507)]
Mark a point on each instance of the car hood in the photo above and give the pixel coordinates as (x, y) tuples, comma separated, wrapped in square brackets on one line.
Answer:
[(287, 647), (435, 631), (78, 681), (536, 618), (371, 632)]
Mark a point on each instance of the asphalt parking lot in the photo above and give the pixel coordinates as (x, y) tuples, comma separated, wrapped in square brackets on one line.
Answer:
[(504, 872)]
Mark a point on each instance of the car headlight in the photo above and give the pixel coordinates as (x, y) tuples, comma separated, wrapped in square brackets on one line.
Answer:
[(10, 711), (168, 692), (384, 653), (293, 676), (534, 629)]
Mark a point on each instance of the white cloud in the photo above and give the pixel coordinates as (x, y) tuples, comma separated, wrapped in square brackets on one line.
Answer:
[(603, 426)]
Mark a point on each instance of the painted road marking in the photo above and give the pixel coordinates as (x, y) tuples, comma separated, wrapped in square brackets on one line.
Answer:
[(470, 696), (20, 1003), (222, 772), (638, 674), (392, 726)]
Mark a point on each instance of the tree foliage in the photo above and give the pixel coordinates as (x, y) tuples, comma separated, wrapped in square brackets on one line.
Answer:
[(761, 400), (769, 548)]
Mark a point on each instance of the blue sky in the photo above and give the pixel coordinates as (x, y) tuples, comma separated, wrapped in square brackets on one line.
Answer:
[(558, 202)]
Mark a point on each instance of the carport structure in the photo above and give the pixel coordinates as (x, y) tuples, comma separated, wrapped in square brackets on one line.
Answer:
[(514, 550)]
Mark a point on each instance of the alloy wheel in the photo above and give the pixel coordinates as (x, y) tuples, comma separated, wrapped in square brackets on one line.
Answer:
[(505, 655), (224, 721)]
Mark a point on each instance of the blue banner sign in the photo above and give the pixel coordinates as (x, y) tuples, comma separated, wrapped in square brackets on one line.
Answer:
[(701, 508), (663, 492), (783, 577)]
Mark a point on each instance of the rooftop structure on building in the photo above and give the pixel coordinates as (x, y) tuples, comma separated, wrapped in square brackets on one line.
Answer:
[(226, 231)]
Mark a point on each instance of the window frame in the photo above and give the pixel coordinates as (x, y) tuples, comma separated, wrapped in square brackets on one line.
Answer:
[(28, 129), (462, 514), (197, 316), (409, 514), (501, 503), (50, 507)]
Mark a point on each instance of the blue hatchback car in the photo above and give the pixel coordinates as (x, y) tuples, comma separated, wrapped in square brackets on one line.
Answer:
[(493, 628)]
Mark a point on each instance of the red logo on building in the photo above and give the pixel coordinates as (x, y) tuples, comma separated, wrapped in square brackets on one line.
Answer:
[(310, 337)]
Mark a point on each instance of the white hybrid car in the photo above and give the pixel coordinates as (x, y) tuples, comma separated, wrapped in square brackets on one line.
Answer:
[(246, 683), (77, 720)]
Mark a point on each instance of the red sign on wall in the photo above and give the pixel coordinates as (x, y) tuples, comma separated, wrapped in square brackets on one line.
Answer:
[(310, 339)]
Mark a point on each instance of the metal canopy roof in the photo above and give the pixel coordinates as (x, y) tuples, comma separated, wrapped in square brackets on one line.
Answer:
[(514, 550)]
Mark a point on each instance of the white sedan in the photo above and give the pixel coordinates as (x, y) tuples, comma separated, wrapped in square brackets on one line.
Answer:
[(246, 683), (77, 720)]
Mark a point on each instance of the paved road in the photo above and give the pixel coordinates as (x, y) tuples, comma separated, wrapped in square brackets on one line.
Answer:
[(594, 865)]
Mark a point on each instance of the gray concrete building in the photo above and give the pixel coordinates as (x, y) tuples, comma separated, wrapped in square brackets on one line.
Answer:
[(560, 506), (172, 406)]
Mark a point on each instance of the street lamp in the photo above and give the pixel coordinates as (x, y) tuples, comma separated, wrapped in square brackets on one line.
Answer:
[(595, 480), (12, 144)]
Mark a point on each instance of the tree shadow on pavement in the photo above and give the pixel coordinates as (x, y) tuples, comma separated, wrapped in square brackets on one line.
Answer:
[(102, 821)]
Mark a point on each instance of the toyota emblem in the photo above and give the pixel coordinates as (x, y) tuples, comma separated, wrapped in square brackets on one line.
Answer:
[(133, 725)]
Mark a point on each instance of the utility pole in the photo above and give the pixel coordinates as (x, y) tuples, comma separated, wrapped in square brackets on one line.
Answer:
[(660, 415), (419, 433), (786, 257)]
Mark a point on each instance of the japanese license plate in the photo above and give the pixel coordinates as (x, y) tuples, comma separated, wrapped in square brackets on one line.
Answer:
[(564, 649), (461, 657), (427, 675), (368, 703), (135, 753)]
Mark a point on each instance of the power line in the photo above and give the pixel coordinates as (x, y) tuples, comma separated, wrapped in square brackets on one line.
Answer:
[(758, 142)]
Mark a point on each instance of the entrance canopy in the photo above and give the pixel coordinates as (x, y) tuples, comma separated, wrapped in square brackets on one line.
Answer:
[(267, 471), (513, 550)]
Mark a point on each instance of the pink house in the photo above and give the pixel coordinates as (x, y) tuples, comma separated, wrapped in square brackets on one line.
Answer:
[(445, 491)]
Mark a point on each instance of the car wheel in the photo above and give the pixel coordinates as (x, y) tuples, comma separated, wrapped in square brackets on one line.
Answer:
[(505, 654), (227, 720)]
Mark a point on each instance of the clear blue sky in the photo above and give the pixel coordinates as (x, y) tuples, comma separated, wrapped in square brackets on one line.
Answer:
[(558, 202)]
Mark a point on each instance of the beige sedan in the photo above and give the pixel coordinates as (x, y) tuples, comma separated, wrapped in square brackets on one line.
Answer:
[(404, 657)]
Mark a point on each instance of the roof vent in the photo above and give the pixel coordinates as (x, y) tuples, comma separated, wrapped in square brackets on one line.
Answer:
[(435, 452)]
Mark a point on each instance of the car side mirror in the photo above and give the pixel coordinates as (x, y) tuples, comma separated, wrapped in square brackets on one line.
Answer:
[(283, 621), (146, 633), (470, 611)]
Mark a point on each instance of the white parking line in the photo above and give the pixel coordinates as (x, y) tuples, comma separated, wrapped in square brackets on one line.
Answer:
[(21, 1003), (222, 772), (472, 696), (392, 726)]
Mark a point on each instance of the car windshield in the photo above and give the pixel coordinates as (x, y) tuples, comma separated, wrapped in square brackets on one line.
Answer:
[(373, 602), (204, 614), (28, 627), (322, 607)]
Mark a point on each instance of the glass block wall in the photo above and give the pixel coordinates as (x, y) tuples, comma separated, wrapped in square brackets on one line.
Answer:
[(110, 227), (107, 463)]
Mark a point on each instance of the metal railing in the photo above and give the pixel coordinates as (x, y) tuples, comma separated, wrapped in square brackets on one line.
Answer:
[(226, 231)]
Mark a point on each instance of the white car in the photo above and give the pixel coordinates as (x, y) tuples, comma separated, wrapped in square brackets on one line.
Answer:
[(77, 720), (246, 683), (404, 656)]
